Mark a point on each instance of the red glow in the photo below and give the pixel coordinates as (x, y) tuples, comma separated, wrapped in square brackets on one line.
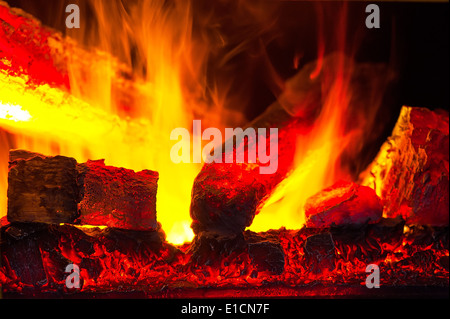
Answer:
[(17, 40), (111, 259)]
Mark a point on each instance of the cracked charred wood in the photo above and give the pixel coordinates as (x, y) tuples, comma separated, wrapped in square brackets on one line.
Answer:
[(355, 243), (53, 190), (266, 252), (212, 248), (320, 252), (209, 248), (41, 188), (227, 194), (117, 197), (425, 236), (20, 252), (344, 203), (388, 230), (267, 256), (37, 254), (410, 172)]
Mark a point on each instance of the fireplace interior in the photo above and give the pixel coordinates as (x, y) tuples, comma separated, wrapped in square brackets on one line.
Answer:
[(93, 205)]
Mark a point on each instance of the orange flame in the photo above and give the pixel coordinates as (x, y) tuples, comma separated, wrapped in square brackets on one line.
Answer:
[(127, 124), (128, 121), (344, 124), (315, 161)]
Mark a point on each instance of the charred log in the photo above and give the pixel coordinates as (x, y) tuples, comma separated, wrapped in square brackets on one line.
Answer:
[(388, 230), (210, 248), (124, 260), (320, 253), (57, 190), (21, 254), (267, 256), (117, 197), (42, 189), (38, 254), (213, 249), (228, 195), (410, 173)]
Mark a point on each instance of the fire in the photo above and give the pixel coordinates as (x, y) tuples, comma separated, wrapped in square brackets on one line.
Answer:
[(143, 76), (103, 115), (112, 261), (316, 158), (345, 122)]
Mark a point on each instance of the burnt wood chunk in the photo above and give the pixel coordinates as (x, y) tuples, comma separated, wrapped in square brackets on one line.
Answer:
[(267, 256), (37, 254), (388, 230), (216, 249), (41, 188), (117, 197), (223, 202), (410, 173), (320, 252), (21, 252), (227, 196), (344, 203), (209, 248)]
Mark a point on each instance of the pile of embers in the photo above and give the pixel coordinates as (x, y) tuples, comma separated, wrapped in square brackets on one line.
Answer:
[(35, 256)]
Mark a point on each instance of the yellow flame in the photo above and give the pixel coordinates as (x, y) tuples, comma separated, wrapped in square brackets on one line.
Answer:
[(13, 112), (314, 165), (52, 122)]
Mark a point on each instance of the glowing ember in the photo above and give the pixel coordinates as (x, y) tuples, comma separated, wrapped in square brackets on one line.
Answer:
[(132, 261)]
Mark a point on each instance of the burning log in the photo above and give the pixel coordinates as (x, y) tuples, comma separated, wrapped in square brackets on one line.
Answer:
[(38, 254), (344, 203), (410, 173), (117, 197), (388, 230), (226, 203), (57, 190), (24, 256), (42, 189), (227, 196)]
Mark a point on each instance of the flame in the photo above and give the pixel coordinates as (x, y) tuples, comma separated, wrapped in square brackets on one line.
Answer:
[(116, 88), (128, 123), (340, 127), (14, 113), (314, 166), (161, 39), (144, 74)]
